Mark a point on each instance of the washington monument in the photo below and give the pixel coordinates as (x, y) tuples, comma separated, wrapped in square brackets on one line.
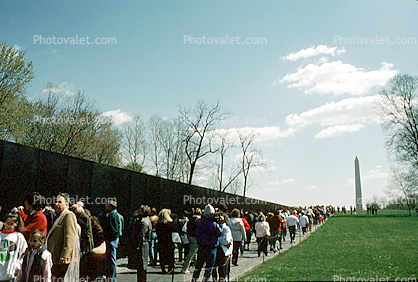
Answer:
[(359, 198)]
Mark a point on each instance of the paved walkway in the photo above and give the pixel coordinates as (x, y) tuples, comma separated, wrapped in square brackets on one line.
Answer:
[(245, 263)]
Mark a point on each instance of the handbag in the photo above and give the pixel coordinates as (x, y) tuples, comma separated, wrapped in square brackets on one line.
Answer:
[(100, 250), (175, 238), (267, 233)]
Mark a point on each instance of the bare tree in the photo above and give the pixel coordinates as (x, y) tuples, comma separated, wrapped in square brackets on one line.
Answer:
[(105, 146), (251, 157), (155, 125), (399, 113), (135, 144), (222, 166), (200, 120), (167, 145), (402, 184), (174, 151)]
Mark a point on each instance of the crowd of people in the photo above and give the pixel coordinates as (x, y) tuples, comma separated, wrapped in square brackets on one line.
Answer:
[(63, 243), (67, 243), (212, 237)]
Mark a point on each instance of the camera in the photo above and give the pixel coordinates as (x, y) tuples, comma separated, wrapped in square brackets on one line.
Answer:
[(217, 217)]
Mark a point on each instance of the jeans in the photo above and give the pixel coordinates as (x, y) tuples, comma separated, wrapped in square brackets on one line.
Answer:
[(111, 248), (262, 245), (206, 255), (292, 231), (221, 266), (153, 249), (191, 254), (274, 238), (235, 247)]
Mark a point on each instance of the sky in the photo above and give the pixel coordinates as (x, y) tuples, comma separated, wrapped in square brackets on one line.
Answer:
[(304, 75)]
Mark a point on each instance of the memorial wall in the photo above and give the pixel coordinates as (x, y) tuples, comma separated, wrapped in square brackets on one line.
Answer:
[(24, 169)]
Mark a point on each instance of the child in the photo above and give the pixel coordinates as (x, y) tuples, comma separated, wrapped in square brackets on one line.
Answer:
[(12, 247), (37, 262)]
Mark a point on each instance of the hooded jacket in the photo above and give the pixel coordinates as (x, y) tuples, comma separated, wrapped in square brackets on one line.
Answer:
[(237, 227)]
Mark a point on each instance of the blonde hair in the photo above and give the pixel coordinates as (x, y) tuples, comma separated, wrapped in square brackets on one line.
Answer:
[(164, 216), (77, 209)]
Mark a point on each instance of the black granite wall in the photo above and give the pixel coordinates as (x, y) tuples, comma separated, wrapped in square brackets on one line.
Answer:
[(24, 169)]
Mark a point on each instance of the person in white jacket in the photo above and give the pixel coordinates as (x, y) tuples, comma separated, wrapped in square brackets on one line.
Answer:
[(292, 222), (224, 251), (304, 222), (238, 233)]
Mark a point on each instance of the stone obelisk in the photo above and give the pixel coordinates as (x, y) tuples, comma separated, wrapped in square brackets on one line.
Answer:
[(359, 198)]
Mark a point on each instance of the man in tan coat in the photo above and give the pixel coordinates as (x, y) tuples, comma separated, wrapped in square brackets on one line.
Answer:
[(62, 239)]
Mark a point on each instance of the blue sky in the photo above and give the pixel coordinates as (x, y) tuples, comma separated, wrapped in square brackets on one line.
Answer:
[(307, 88)]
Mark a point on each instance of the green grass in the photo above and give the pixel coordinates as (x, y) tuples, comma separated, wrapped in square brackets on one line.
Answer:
[(350, 247)]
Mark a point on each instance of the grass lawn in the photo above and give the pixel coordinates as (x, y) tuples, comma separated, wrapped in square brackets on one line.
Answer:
[(350, 248)]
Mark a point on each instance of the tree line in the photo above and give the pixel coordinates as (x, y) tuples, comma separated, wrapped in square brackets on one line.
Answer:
[(190, 148)]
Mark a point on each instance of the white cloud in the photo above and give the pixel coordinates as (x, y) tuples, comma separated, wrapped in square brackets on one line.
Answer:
[(313, 51), (118, 116), (338, 78), (62, 88), (338, 130), (375, 174), (284, 181), (263, 134), (348, 115), (312, 187), (372, 174), (336, 118)]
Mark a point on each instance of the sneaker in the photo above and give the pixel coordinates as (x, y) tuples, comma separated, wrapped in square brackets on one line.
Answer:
[(186, 272)]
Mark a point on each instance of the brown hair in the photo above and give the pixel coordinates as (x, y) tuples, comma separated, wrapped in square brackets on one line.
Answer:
[(41, 234)]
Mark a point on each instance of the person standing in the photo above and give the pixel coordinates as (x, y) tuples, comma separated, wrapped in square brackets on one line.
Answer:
[(13, 245), (36, 220), (62, 242), (153, 243), (165, 243), (112, 229), (207, 233), (262, 232), (284, 226), (37, 262), (224, 250), (86, 238), (292, 222), (191, 236), (304, 222), (247, 233), (275, 223), (238, 233), (139, 236)]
